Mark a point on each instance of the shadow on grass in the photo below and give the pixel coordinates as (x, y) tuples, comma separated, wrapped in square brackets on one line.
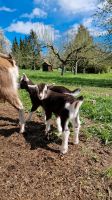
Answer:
[(74, 81)]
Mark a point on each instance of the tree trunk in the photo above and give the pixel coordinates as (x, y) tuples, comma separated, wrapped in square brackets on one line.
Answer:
[(62, 71), (76, 66), (33, 67)]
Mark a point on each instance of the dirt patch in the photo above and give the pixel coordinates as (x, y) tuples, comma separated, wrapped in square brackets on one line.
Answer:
[(31, 167)]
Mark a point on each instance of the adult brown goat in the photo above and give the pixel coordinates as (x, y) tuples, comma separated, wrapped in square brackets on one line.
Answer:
[(8, 85)]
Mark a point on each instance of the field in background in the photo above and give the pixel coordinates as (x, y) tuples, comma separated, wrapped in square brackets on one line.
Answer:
[(96, 116)]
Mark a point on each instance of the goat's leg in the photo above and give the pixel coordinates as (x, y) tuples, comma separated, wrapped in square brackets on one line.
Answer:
[(14, 100), (76, 128), (29, 117), (58, 121), (33, 109), (22, 121), (44, 116), (65, 137), (48, 123)]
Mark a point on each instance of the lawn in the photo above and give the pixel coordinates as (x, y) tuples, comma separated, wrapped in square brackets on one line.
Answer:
[(96, 116)]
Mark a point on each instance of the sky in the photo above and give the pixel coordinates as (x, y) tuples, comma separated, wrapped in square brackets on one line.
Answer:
[(50, 19)]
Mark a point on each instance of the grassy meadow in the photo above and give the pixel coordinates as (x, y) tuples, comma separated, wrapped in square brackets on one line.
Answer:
[(96, 111)]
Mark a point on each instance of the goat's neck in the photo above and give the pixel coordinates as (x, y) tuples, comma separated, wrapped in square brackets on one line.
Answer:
[(30, 90)]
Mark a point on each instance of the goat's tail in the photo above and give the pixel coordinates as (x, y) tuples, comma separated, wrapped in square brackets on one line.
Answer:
[(75, 92)]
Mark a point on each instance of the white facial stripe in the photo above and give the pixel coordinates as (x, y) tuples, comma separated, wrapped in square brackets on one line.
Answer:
[(32, 86), (43, 93)]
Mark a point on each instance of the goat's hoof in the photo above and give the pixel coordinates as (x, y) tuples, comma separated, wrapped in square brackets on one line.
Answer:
[(76, 142), (22, 129), (63, 150), (59, 134)]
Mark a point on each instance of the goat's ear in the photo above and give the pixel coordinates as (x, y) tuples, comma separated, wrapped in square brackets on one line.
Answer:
[(25, 77), (50, 85)]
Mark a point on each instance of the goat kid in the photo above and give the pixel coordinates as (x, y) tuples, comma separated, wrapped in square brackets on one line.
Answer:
[(8, 85), (28, 85), (65, 107)]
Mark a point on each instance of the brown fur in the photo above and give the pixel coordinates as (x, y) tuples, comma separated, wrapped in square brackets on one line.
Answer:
[(6, 61), (8, 91), (5, 77)]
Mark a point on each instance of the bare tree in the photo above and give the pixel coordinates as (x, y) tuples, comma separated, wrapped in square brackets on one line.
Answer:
[(66, 59)]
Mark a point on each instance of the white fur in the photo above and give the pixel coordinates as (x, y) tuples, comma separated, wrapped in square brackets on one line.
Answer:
[(66, 133), (32, 86), (21, 119), (42, 95), (58, 121), (48, 126), (14, 75), (67, 105), (76, 128), (74, 94), (74, 111)]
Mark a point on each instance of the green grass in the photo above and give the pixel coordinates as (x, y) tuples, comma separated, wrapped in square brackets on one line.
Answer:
[(108, 172), (96, 87), (96, 80)]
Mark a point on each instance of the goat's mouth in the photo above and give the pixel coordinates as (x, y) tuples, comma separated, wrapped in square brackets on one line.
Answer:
[(20, 86)]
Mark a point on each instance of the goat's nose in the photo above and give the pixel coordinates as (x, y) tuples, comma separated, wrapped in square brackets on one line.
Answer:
[(40, 96)]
